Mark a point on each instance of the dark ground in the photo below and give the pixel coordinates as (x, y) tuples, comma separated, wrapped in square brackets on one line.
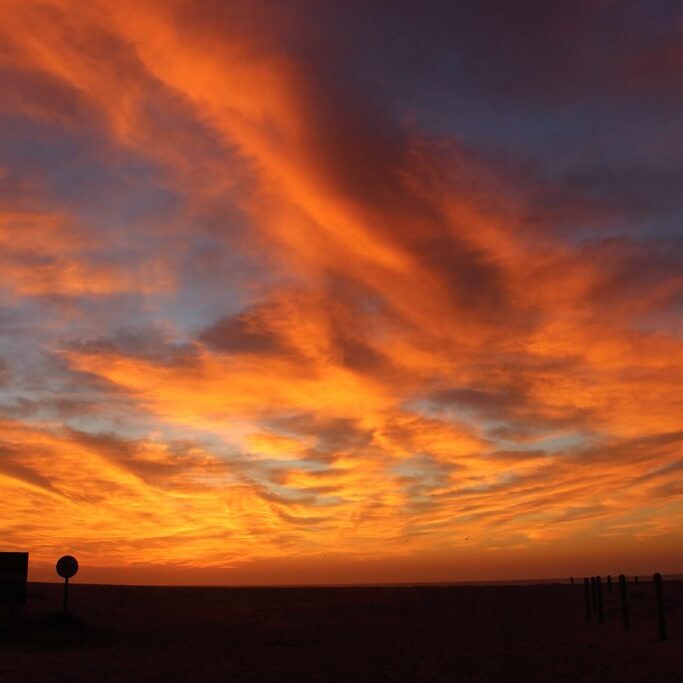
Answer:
[(491, 633)]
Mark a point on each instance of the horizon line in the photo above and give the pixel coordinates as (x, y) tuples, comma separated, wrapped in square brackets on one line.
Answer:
[(397, 584)]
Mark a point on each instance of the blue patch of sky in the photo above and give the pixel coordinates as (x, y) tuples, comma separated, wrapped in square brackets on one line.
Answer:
[(597, 143), (298, 495), (211, 277), (553, 444), (423, 468), (108, 191), (125, 198), (549, 438)]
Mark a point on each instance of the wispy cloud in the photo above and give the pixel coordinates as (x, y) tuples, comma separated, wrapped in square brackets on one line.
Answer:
[(261, 303)]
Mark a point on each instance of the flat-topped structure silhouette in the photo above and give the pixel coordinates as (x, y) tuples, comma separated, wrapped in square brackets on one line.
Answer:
[(13, 578)]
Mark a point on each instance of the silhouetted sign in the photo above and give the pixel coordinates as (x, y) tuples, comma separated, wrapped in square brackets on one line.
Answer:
[(13, 577), (67, 566)]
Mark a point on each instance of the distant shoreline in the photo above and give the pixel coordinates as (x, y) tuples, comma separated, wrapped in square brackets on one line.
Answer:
[(411, 584)]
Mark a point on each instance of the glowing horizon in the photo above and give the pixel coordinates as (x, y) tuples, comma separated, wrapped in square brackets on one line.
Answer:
[(323, 291)]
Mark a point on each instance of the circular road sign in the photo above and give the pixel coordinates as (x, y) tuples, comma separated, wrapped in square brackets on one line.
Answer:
[(67, 566)]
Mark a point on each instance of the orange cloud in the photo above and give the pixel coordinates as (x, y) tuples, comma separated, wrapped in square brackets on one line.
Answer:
[(414, 364)]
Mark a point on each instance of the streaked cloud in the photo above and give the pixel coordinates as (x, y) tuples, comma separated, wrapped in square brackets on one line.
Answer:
[(261, 303)]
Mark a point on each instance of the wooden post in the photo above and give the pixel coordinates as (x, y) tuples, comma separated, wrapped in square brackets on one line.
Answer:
[(587, 591), (661, 616), (598, 592), (609, 584), (624, 601), (595, 599)]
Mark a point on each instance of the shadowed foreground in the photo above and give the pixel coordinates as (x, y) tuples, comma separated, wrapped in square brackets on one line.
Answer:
[(532, 633)]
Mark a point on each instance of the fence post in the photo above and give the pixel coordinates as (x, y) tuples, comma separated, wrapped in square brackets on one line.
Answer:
[(587, 591), (609, 584), (594, 597), (661, 616), (598, 591), (624, 601)]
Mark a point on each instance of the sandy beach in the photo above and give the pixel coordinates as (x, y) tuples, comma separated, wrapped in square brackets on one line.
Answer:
[(421, 633)]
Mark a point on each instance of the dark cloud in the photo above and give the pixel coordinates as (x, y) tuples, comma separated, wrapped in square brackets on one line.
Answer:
[(672, 489), (500, 403), (5, 372), (354, 353), (336, 434), (12, 465), (529, 48), (641, 449), (247, 332), (169, 465), (299, 520), (587, 90), (421, 475), (44, 97), (659, 266), (663, 471), (355, 149), (518, 456), (643, 189), (291, 498), (575, 514), (514, 409), (61, 408), (149, 343)]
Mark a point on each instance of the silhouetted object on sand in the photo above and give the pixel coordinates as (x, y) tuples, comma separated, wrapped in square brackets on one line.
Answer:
[(609, 584), (587, 591), (635, 579), (624, 601), (571, 580), (661, 616), (593, 594), (67, 567), (598, 593), (13, 577)]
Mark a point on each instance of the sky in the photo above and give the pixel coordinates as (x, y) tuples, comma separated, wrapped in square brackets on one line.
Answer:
[(341, 291)]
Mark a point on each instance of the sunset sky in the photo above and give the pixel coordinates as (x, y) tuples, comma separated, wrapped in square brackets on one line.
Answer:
[(341, 291)]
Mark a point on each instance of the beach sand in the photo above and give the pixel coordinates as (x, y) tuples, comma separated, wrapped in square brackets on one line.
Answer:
[(422, 633)]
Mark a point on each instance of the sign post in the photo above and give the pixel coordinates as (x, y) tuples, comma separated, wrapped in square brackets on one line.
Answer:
[(67, 567)]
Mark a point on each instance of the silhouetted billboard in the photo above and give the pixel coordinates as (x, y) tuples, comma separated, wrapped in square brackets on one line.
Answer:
[(13, 577)]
